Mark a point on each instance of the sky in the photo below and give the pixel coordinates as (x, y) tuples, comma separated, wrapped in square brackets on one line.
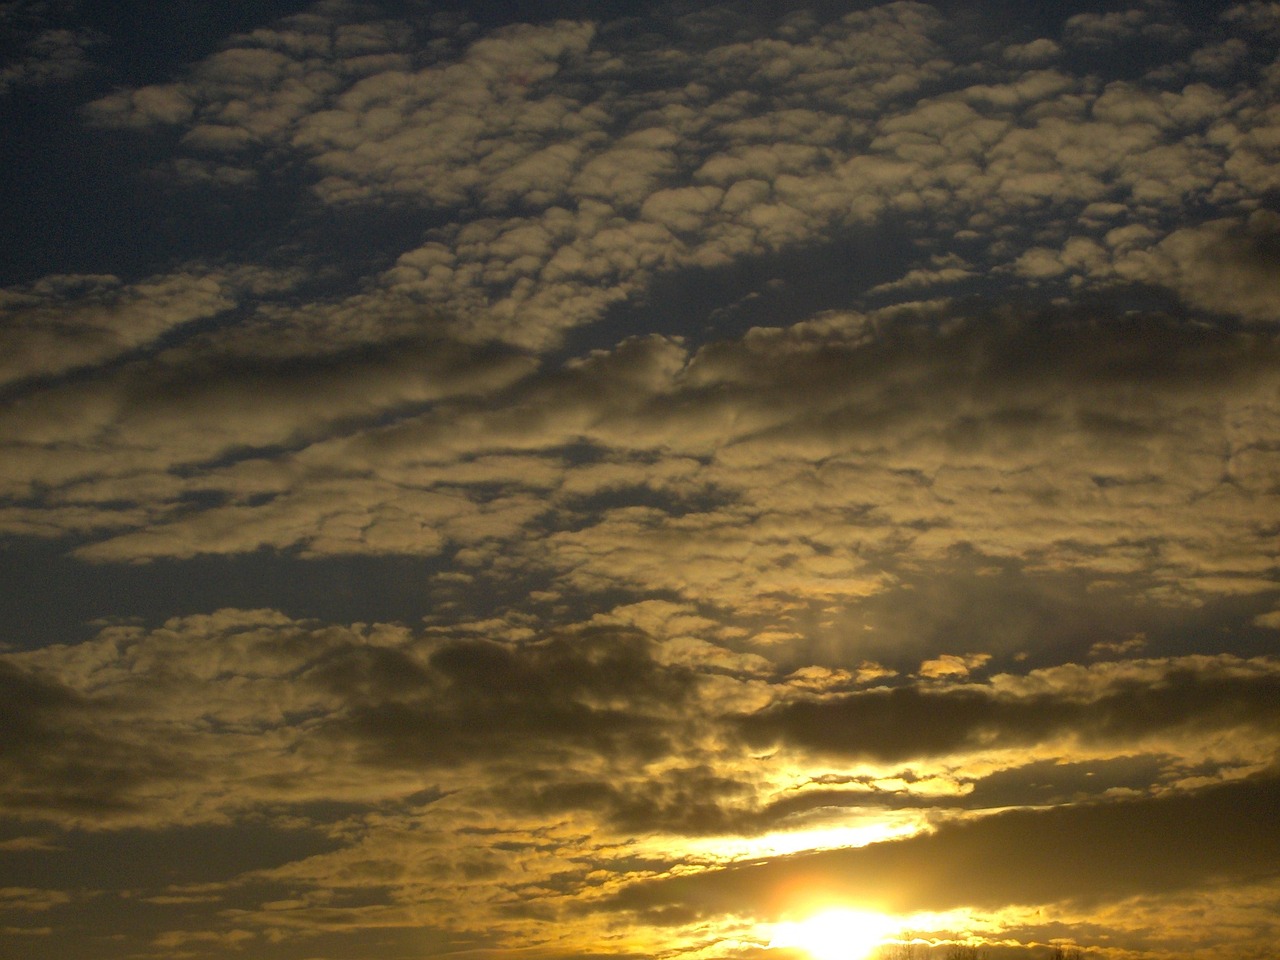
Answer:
[(564, 480)]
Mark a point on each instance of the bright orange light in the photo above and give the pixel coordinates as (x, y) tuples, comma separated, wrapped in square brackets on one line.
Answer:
[(835, 934)]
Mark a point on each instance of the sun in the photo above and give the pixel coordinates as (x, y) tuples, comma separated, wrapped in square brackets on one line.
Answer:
[(840, 934)]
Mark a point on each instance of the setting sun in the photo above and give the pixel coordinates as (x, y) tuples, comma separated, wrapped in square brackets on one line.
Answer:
[(840, 934)]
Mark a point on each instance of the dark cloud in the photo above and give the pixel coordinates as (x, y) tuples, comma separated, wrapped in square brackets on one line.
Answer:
[(44, 47), (684, 800), (58, 759), (1222, 265), (1118, 705), (1044, 782), (1089, 853), (479, 701)]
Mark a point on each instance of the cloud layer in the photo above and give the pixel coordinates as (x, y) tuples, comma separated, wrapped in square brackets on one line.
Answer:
[(823, 457)]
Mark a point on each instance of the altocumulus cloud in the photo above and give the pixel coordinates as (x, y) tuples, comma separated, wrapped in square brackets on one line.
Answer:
[(599, 482)]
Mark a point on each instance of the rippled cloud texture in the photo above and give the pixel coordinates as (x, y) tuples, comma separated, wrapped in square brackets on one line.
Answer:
[(607, 479)]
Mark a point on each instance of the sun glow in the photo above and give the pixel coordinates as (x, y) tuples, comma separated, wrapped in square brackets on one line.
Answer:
[(835, 934), (796, 841)]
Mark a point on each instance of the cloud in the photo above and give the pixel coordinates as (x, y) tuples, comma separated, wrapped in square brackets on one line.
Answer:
[(209, 715), (602, 219), (1096, 853), (1257, 15), (138, 727), (1220, 58), (31, 900), (697, 457), (503, 756), (1222, 265), (723, 549), (600, 691), (1034, 53), (1154, 20), (189, 721), (146, 417), (615, 166), (58, 762), (683, 800), (784, 430), (1102, 705), (1105, 648), (334, 89), (951, 665), (63, 323), (44, 48)]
